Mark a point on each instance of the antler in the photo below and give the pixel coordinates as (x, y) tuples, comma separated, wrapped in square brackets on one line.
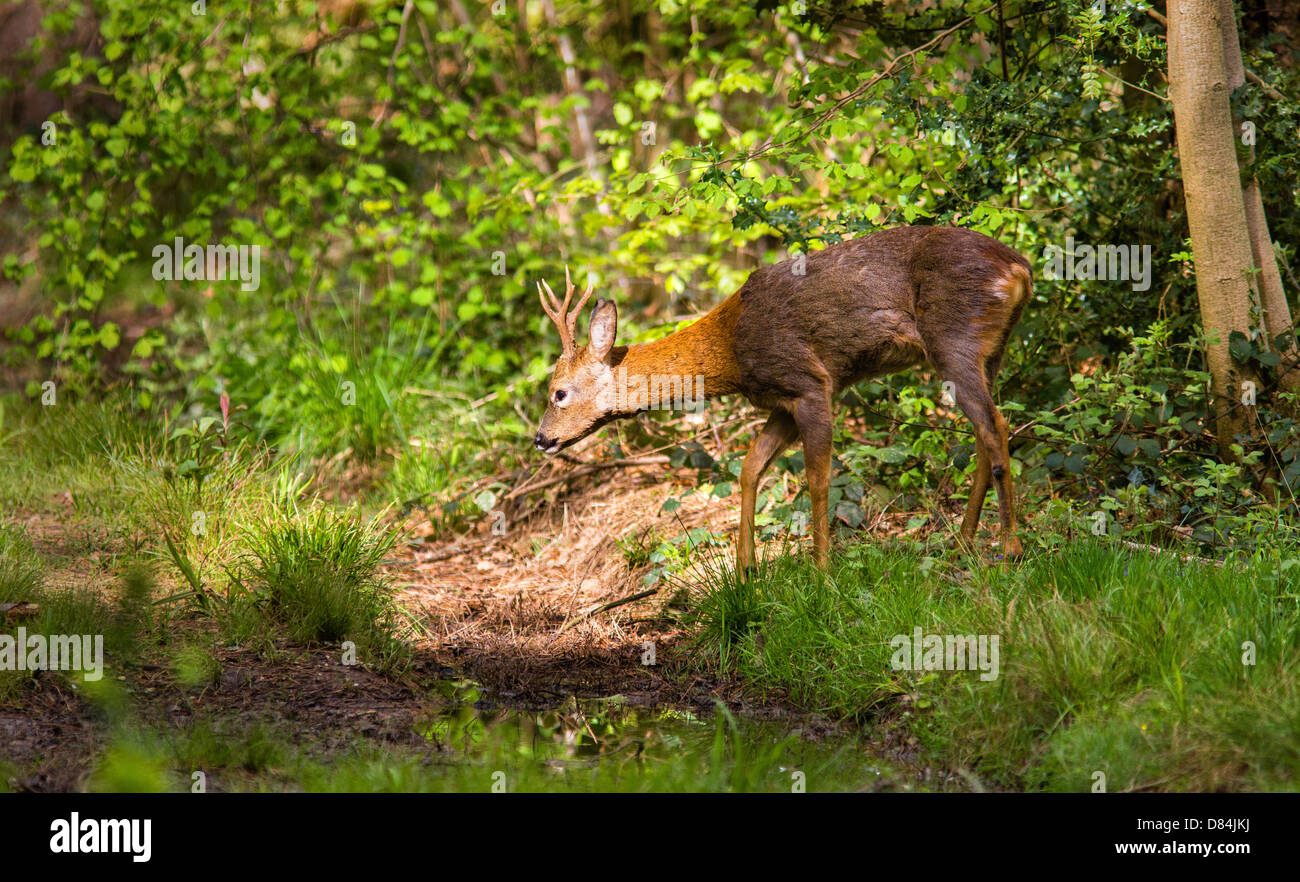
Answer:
[(559, 312)]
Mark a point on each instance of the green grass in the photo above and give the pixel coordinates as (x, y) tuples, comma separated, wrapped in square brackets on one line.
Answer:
[(317, 575), (233, 527), (1111, 660), (195, 666), (68, 449), (21, 573), (61, 611), (21, 580), (610, 750)]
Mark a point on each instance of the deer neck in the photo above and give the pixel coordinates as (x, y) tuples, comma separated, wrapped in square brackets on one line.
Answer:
[(700, 354)]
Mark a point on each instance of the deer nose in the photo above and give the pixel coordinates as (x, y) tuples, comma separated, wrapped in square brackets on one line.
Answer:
[(541, 442)]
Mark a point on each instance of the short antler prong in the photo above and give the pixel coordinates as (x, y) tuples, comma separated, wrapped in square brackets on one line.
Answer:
[(577, 310), (568, 297), (565, 319)]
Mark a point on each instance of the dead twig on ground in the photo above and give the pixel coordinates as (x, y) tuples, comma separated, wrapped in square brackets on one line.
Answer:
[(631, 462), (604, 607)]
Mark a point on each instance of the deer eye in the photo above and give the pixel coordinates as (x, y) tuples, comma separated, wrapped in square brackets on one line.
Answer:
[(560, 395)]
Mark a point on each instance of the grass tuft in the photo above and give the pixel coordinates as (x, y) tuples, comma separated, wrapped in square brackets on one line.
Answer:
[(318, 576)]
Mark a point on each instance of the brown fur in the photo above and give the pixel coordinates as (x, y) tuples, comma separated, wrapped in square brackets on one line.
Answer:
[(791, 342)]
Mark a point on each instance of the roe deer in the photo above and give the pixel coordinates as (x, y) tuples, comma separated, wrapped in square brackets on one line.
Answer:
[(791, 341)]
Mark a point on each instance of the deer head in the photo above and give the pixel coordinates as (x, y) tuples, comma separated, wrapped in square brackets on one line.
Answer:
[(581, 395)]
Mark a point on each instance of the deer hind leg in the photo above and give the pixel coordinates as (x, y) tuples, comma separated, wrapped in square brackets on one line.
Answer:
[(812, 415), (775, 436), (978, 490), (1006, 494), (992, 444), (1010, 541)]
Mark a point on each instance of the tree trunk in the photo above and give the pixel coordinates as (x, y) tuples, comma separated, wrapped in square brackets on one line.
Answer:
[(573, 86), (1216, 213), (1272, 296)]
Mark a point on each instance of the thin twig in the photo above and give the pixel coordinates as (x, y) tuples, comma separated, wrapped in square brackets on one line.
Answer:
[(631, 462), (622, 601)]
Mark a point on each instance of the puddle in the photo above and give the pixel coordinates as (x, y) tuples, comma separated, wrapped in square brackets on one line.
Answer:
[(609, 744)]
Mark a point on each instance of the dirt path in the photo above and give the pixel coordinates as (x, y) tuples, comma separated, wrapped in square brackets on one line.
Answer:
[(521, 612)]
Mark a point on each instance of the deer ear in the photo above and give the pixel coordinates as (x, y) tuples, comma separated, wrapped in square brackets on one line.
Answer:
[(604, 325)]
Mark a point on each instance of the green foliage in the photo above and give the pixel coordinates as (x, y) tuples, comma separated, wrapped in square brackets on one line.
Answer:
[(1132, 663), (599, 747), (21, 575), (409, 178), (195, 667), (318, 575), (407, 191)]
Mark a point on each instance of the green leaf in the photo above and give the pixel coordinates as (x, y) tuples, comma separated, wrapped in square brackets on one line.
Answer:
[(109, 335), (850, 513), (1240, 346)]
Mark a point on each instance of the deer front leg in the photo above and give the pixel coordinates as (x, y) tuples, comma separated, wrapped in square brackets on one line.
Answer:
[(813, 417), (774, 437)]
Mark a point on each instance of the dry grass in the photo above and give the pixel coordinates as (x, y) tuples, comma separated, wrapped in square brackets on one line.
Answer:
[(521, 611)]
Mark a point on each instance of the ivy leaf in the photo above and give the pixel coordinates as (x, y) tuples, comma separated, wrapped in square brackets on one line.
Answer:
[(1240, 346), (850, 513)]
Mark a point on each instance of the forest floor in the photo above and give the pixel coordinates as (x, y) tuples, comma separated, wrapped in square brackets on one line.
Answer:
[(540, 615), (596, 641), (552, 607)]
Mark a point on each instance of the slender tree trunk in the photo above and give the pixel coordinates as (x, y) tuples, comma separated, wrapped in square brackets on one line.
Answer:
[(573, 86), (1216, 213), (1272, 296)]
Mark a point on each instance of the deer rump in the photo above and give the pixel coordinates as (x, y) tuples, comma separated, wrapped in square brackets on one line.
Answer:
[(874, 305)]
